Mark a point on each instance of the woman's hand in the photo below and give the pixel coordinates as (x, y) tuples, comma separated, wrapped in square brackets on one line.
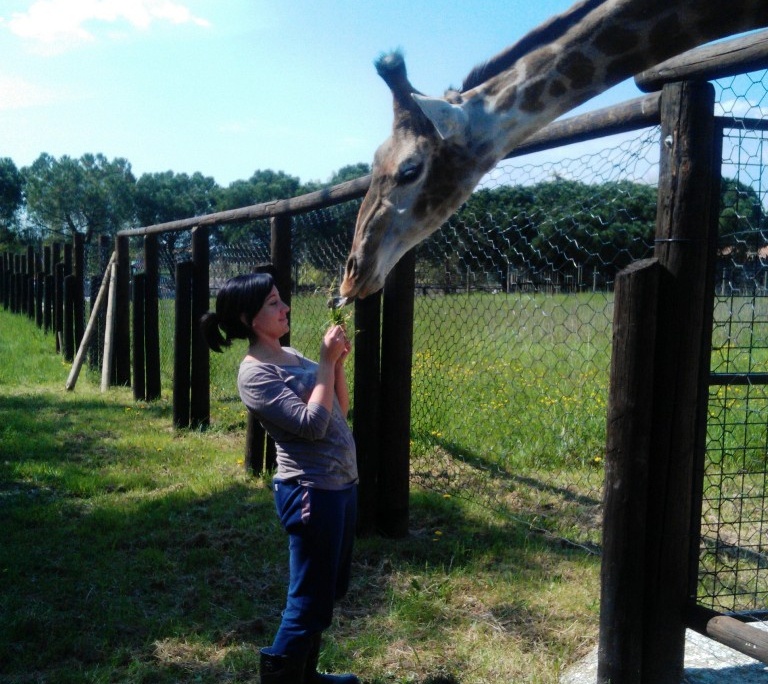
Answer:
[(335, 346)]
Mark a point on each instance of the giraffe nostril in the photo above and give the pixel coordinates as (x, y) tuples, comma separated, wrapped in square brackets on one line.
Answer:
[(351, 270)]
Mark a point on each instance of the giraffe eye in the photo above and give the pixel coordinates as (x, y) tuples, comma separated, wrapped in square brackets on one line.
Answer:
[(408, 172)]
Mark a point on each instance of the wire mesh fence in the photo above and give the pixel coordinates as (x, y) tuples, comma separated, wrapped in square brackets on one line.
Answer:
[(512, 336), (733, 557), (513, 333)]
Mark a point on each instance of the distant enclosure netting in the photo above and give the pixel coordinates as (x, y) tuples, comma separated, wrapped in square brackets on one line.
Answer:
[(733, 565), (512, 336)]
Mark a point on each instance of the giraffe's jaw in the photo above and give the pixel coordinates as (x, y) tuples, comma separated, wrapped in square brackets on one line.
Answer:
[(396, 215), (375, 252), (384, 235)]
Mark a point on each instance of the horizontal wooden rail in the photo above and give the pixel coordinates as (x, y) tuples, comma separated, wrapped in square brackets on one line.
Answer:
[(738, 379), (320, 199), (738, 635), (717, 60)]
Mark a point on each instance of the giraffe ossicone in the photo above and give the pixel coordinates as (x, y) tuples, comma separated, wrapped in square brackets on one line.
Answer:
[(440, 148)]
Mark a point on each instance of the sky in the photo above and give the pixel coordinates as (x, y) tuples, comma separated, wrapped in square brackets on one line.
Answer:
[(229, 87)]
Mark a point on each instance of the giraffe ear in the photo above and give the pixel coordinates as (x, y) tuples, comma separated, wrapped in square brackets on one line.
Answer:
[(449, 120)]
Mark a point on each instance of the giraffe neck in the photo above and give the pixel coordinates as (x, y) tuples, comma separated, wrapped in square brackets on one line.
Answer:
[(441, 147), (610, 42)]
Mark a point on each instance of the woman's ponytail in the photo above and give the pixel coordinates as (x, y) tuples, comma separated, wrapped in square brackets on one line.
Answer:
[(237, 303)]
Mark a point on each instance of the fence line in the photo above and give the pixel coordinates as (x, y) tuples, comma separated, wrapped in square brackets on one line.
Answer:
[(514, 305)]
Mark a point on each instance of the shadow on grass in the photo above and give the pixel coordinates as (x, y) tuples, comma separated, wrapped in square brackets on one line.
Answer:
[(115, 567), (525, 497)]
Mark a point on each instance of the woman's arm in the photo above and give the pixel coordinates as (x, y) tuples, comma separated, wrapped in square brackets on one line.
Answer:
[(342, 391), (333, 350)]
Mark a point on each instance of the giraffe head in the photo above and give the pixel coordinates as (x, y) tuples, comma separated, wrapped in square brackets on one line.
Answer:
[(440, 148), (421, 173)]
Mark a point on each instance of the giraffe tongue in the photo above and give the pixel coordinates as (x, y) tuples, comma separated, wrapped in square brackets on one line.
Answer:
[(338, 302)]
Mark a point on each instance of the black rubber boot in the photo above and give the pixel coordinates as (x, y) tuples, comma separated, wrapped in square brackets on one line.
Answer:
[(280, 669), (312, 676)]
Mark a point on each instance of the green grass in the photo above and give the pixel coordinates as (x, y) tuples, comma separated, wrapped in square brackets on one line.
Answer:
[(132, 552)]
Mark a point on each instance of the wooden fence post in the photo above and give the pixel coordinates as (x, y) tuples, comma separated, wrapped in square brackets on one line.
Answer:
[(106, 255), (29, 283), (3, 263), (58, 303), (139, 335), (629, 424), (151, 317), (122, 323), (685, 237), (18, 285), (182, 345), (109, 329), (78, 270), (366, 409), (39, 297), (56, 285), (281, 255), (4, 280), (200, 413), (395, 412), (68, 329), (47, 294)]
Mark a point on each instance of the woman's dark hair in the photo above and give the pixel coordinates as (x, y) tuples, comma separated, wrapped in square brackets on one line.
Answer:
[(238, 300)]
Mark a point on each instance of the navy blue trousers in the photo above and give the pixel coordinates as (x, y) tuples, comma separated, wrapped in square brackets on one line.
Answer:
[(321, 530)]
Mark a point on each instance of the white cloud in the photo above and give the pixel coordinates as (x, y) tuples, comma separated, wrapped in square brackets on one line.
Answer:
[(56, 25)]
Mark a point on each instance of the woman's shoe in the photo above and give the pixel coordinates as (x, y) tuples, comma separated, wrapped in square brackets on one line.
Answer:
[(281, 669)]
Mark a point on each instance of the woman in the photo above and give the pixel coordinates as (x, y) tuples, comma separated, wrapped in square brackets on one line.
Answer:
[(302, 405)]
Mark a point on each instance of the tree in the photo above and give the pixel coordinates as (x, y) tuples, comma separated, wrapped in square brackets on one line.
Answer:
[(554, 226), (168, 196), (91, 195), (263, 186), (11, 201), (350, 172), (323, 237), (741, 229)]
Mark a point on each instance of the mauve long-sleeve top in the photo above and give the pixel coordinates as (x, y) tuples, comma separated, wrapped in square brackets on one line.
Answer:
[(314, 446)]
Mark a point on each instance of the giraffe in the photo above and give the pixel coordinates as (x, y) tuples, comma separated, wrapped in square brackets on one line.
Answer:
[(440, 147)]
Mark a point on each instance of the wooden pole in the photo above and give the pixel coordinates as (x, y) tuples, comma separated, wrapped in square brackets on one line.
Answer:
[(281, 256), (200, 401), (253, 459), (151, 317), (685, 234), (138, 331), (68, 330), (77, 365), (29, 290), (121, 338), (109, 331), (709, 62), (366, 417), (629, 424), (396, 365), (58, 303), (182, 345), (78, 270)]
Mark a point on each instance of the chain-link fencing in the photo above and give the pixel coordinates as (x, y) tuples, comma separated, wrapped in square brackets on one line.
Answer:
[(512, 335), (733, 562)]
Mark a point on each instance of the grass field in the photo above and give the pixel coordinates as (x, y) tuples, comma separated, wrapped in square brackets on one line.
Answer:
[(132, 552)]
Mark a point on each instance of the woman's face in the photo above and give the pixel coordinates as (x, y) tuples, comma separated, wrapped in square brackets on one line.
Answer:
[(272, 319)]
